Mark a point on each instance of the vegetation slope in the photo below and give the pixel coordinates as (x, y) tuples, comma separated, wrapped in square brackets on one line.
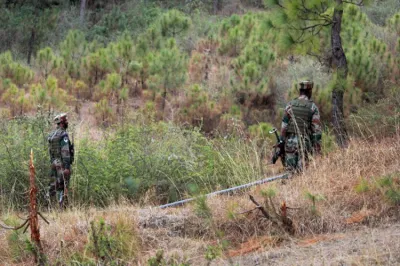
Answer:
[(168, 101)]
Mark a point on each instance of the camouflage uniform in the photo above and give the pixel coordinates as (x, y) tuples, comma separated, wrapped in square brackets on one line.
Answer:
[(301, 131), (61, 158)]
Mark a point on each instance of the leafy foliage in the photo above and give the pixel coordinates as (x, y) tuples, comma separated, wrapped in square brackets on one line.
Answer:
[(16, 72), (73, 49), (378, 120), (174, 23), (112, 243), (17, 138), (49, 95), (123, 49), (168, 69), (314, 198), (16, 99), (47, 61)]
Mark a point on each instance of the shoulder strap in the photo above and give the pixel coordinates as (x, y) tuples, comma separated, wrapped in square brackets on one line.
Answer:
[(53, 135)]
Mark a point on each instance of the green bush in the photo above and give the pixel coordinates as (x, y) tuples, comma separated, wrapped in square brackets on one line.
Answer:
[(378, 120), (160, 156), (112, 244), (17, 138), (126, 163)]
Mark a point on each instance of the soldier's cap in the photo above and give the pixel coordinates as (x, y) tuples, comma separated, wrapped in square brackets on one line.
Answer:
[(60, 118), (306, 85)]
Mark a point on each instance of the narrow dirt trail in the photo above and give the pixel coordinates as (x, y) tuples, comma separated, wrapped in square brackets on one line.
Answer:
[(366, 246)]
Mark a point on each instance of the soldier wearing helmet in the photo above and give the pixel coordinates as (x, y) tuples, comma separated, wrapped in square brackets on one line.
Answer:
[(61, 157), (301, 128)]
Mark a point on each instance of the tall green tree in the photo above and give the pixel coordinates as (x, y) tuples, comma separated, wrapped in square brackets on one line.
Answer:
[(127, 59), (174, 23), (112, 86), (47, 61), (16, 72), (303, 23), (251, 68), (394, 23), (168, 69), (49, 96), (16, 100), (97, 64), (72, 50), (31, 19)]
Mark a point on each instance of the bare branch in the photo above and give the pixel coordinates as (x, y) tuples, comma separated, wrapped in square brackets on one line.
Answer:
[(314, 26), (14, 228), (44, 219), (261, 208), (26, 228)]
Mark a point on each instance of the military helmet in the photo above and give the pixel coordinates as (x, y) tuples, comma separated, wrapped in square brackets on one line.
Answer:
[(306, 85), (60, 118)]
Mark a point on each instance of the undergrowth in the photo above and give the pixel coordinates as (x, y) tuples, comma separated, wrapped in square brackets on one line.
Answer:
[(160, 161)]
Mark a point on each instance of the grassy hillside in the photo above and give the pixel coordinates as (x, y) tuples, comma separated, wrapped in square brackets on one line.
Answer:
[(336, 194), (174, 99)]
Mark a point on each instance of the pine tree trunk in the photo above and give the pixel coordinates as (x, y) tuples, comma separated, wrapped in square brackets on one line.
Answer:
[(215, 6), (339, 62), (31, 45), (82, 12), (164, 99)]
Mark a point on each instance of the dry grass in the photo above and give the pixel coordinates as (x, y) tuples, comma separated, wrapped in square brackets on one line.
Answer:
[(175, 230)]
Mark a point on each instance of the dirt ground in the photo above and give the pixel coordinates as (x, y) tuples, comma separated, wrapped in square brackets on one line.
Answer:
[(364, 246)]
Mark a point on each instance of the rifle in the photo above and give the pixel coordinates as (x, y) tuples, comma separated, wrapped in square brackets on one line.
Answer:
[(279, 148)]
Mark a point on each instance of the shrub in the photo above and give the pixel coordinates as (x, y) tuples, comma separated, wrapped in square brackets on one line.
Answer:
[(17, 138), (112, 244), (378, 120), (160, 156), (16, 72)]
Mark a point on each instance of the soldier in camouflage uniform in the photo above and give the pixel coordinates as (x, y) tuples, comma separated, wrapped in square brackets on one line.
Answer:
[(301, 129), (61, 158)]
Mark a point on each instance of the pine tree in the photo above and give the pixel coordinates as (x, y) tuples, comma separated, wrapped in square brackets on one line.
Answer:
[(73, 49), (126, 58), (112, 86), (394, 23), (143, 51), (97, 64), (174, 23), (302, 23), (16, 72), (16, 100), (233, 35), (49, 95), (168, 68), (251, 68), (34, 18), (47, 61), (103, 112)]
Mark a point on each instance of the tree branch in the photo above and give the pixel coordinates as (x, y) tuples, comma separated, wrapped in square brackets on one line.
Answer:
[(307, 11), (43, 218), (261, 208), (14, 228), (314, 26)]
